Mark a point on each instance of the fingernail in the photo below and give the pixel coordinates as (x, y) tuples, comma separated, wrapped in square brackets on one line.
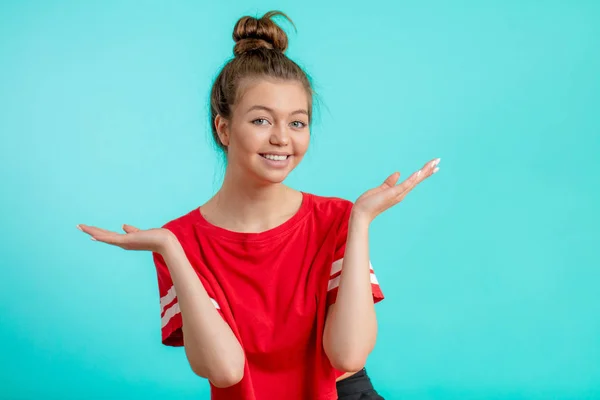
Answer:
[(435, 170), (437, 161), (94, 239), (419, 173), (79, 227)]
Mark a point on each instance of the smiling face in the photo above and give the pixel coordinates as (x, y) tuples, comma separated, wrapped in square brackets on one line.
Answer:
[(268, 133)]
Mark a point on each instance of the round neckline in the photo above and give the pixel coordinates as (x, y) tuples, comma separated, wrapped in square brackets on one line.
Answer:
[(255, 236)]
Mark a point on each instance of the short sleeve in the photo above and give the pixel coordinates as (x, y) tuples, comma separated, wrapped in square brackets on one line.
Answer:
[(170, 315), (338, 258)]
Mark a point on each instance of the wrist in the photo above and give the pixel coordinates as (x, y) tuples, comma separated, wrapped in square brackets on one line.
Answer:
[(169, 244), (359, 220)]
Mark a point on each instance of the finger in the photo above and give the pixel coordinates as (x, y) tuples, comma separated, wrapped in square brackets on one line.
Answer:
[(92, 230), (130, 228), (391, 180), (115, 239), (397, 193), (429, 169), (406, 185), (400, 191)]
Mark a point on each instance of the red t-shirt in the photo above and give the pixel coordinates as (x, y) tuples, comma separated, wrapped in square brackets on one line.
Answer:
[(273, 289)]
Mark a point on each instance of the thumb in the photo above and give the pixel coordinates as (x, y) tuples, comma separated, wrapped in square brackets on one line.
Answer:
[(388, 183), (130, 229), (391, 180)]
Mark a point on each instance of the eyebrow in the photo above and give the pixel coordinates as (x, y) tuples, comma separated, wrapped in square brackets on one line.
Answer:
[(259, 107)]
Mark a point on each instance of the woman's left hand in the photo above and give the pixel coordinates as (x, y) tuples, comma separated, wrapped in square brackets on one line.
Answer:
[(377, 200)]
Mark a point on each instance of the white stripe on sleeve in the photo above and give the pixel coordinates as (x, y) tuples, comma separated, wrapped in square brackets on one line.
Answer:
[(174, 308), (336, 267)]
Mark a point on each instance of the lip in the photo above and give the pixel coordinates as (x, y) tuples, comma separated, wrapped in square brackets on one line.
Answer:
[(276, 153), (277, 164)]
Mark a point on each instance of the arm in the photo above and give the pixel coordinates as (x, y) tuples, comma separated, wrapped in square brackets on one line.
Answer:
[(211, 347), (351, 325)]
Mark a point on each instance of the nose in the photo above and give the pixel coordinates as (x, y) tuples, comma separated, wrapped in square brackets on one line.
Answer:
[(280, 135)]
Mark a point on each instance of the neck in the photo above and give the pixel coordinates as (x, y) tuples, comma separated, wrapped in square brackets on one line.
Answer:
[(248, 206)]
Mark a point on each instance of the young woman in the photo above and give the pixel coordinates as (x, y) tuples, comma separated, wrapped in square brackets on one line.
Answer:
[(270, 287)]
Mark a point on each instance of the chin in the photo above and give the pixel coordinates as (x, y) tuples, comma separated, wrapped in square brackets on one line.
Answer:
[(274, 178), (269, 174)]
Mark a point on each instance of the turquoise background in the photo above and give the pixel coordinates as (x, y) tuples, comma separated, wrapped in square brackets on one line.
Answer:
[(491, 269)]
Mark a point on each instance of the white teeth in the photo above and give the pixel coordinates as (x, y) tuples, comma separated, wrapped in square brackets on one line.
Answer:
[(274, 157)]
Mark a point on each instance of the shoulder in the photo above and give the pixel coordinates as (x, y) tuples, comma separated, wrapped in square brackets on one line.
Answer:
[(330, 207), (182, 225)]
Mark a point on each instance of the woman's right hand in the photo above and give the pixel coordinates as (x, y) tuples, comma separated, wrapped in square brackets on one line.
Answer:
[(156, 240)]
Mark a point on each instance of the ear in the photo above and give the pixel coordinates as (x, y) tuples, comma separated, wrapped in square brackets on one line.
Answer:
[(222, 128)]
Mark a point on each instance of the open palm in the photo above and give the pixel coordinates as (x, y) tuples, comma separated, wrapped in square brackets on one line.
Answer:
[(133, 239), (375, 201)]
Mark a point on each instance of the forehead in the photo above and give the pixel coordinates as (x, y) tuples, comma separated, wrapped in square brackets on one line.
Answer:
[(281, 96)]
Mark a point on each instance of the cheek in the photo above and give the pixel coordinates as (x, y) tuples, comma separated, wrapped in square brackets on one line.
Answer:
[(246, 140), (302, 144)]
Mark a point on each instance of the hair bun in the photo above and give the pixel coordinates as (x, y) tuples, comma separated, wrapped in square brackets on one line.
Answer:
[(263, 33)]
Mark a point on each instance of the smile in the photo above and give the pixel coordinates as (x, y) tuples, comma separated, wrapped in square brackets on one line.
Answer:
[(275, 157)]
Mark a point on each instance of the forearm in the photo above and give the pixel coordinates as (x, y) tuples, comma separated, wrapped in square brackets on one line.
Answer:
[(351, 325), (211, 347)]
